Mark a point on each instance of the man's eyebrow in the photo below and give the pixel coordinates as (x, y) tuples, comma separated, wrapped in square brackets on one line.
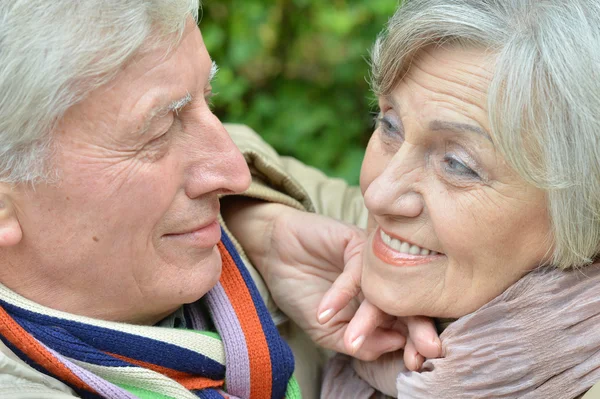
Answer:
[(437, 125), (176, 105), (214, 69), (158, 112)]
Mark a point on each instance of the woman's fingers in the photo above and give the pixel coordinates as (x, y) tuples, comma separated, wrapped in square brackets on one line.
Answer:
[(343, 290), (412, 359), (423, 336), (377, 343), (364, 324)]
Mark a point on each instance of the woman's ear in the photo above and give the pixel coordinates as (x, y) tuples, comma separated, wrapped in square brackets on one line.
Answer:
[(10, 228)]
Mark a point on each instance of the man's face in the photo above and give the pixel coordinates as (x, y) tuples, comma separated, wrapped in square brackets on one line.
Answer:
[(131, 226)]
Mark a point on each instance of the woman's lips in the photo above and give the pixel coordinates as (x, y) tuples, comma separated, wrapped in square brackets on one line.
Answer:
[(204, 237), (394, 257)]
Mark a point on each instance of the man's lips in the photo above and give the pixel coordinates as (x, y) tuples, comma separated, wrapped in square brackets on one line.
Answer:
[(193, 229), (205, 236), (400, 257)]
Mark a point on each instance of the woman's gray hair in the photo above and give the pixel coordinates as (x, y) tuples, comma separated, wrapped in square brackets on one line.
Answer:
[(53, 53), (543, 101)]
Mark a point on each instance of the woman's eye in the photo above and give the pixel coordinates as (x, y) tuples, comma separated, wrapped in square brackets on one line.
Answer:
[(456, 167), (390, 126)]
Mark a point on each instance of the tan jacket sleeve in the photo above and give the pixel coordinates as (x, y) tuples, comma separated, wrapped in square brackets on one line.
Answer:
[(289, 181), (19, 381)]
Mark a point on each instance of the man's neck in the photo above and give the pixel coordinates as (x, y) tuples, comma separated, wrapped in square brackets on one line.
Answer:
[(75, 294)]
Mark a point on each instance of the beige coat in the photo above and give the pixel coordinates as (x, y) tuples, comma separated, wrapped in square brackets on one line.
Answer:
[(308, 189)]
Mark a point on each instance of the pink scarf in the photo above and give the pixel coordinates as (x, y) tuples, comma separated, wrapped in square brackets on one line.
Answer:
[(539, 339)]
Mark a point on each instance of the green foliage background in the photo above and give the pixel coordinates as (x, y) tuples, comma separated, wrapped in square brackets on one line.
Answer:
[(295, 71)]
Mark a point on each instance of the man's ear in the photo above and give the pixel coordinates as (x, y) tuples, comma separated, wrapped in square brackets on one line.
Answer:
[(10, 228)]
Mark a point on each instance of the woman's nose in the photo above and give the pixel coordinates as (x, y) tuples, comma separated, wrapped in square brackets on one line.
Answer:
[(395, 191), (217, 164)]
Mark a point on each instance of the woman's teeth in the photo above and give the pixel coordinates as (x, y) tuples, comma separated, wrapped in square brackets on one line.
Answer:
[(405, 247)]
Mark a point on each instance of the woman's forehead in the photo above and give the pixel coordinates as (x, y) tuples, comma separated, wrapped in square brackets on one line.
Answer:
[(445, 85)]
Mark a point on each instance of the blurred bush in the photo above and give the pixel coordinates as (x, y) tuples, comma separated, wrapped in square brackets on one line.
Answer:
[(295, 71)]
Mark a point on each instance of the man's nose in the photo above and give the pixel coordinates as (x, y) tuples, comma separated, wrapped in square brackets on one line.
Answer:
[(217, 165), (395, 191)]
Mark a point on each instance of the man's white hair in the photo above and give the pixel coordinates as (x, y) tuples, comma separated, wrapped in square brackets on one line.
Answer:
[(544, 100), (53, 53)]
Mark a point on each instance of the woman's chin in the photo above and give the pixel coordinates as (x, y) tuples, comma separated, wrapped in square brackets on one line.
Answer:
[(403, 286)]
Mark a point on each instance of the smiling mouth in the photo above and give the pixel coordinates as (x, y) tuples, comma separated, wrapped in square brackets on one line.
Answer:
[(205, 237), (404, 247), (396, 252)]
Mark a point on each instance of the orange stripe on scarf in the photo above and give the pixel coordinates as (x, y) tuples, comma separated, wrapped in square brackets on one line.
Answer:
[(189, 381), (28, 345), (258, 350)]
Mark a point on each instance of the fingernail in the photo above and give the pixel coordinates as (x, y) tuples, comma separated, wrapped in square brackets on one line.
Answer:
[(356, 344), (436, 341), (324, 316), (419, 362)]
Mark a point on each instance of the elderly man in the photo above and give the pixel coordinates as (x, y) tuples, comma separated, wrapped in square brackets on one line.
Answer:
[(117, 280)]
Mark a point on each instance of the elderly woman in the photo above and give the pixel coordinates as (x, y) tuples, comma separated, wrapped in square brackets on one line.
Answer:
[(117, 280), (482, 184)]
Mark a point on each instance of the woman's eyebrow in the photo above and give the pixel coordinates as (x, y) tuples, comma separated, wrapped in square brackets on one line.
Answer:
[(456, 127)]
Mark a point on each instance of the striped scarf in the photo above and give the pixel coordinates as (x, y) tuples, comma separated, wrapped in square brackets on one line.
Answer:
[(245, 358)]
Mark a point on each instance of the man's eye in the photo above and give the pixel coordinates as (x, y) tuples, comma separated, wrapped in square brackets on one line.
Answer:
[(159, 138)]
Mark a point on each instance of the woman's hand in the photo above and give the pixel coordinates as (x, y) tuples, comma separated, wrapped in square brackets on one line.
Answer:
[(300, 255), (422, 339)]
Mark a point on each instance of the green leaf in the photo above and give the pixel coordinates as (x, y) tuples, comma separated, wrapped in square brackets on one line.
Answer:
[(295, 71)]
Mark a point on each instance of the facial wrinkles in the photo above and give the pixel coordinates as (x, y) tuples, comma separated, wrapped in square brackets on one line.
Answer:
[(122, 153), (473, 78), (153, 107), (448, 97), (461, 91), (95, 164)]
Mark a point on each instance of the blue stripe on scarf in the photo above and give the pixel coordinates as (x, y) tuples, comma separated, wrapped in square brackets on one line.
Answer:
[(209, 394), (282, 359), (68, 345), (82, 393), (136, 347)]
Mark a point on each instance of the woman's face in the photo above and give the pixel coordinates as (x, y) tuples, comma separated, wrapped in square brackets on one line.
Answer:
[(453, 225)]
